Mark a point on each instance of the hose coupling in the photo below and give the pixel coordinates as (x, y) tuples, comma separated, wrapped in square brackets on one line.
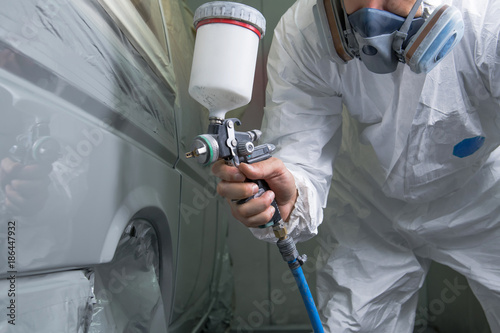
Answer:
[(302, 259), (288, 249)]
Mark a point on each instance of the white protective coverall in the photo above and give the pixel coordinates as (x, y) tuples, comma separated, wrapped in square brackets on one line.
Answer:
[(416, 172)]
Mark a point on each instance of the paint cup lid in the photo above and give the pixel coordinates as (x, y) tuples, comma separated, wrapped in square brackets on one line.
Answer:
[(231, 11)]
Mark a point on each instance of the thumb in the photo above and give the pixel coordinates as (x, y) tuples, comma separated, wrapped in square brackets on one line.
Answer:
[(267, 169), (250, 171)]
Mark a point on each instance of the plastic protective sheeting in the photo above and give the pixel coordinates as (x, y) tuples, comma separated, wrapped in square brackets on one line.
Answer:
[(93, 55), (143, 24), (68, 64), (51, 303), (127, 293)]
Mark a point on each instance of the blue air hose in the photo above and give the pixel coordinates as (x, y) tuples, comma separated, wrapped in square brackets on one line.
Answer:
[(294, 260), (312, 312)]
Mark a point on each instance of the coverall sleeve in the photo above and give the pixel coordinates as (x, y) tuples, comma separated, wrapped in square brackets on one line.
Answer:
[(302, 117), (487, 51)]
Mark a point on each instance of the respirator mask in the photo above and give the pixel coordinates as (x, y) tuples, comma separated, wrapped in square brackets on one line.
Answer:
[(382, 39)]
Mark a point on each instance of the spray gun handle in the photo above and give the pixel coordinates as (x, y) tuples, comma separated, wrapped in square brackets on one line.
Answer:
[(261, 153), (263, 187)]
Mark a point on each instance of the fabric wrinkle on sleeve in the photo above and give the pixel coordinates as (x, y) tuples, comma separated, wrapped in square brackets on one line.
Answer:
[(302, 119), (487, 49), (305, 218)]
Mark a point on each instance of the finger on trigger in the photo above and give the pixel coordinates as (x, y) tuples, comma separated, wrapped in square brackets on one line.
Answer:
[(236, 191), (227, 172)]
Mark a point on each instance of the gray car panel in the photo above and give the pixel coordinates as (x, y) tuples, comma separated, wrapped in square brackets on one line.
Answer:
[(68, 70)]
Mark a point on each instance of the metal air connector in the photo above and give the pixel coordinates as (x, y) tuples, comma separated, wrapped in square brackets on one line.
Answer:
[(279, 230)]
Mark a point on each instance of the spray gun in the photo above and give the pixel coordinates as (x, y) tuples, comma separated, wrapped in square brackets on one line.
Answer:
[(222, 75), (223, 142), (225, 54)]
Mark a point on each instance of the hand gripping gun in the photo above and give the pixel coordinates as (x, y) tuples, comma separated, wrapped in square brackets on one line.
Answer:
[(223, 142)]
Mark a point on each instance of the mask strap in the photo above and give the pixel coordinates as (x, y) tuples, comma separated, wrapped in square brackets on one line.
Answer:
[(402, 33), (349, 34), (344, 12)]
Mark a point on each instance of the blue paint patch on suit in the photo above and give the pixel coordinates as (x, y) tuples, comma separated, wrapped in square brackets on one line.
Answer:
[(468, 146)]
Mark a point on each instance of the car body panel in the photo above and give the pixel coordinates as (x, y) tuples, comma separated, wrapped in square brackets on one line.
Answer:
[(122, 118)]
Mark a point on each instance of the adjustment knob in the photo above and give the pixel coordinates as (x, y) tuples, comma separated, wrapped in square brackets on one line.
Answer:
[(245, 148)]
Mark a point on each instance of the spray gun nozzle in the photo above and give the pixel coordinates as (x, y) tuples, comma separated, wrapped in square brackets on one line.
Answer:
[(196, 152)]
